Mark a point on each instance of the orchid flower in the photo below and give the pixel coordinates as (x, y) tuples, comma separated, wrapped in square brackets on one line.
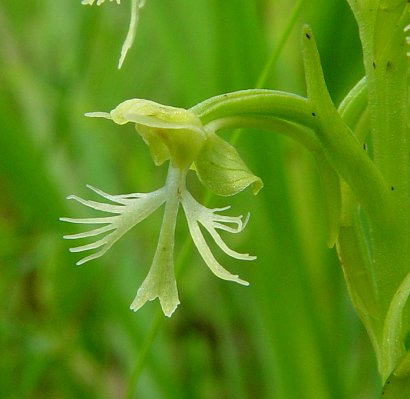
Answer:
[(178, 136), (129, 40)]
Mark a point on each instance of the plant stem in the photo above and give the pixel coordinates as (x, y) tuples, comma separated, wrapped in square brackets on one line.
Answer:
[(143, 353), (257, 102)]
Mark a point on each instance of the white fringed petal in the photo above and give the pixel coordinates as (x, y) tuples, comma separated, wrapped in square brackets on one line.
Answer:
[(133, 209), (197, 213), (130, 209), (160, 283)]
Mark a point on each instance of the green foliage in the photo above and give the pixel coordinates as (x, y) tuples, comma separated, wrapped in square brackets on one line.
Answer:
[(67, 332)]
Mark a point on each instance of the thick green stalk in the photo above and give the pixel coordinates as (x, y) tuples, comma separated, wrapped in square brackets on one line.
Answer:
[(306, 137), (257, 102), (381, 26), (343, 149), (374, 245)]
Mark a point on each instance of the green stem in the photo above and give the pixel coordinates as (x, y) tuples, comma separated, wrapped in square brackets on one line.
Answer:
[(299, 133), (256, 102), (386, 66), (156, 324), (306, 137), (143, 354), (343, 149), (354, 104), (352, 248)]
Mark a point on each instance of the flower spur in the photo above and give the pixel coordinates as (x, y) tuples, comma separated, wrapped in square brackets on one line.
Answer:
[(176, 135)]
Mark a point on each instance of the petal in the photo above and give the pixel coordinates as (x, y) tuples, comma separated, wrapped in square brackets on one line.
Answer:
[(240, 225), (98, 205), (196, 212), (220, 168), (90, 233), (110, 219), (221, 244), (170, 132), (161, 286), (129, 40), (87, 247), (120, 199), (207, 256), (134, 209), (160, 282), (152, 114), (95, 255), (207, 218)]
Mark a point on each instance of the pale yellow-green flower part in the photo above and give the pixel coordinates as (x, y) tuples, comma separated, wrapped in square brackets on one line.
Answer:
[(171, 133), (177, 135), (136, 5), (130, 209), (221, 169), (99, 2)]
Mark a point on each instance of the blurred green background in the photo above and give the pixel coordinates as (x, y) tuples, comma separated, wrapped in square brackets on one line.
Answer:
[(67, 331)]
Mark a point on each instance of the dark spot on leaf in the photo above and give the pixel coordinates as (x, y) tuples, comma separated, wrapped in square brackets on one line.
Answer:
[(313, 114), (407, 340), (374, 65), (307, 35)]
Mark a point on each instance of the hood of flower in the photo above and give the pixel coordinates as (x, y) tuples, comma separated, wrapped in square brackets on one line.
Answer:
[(178, 135), (154, 114), (171, 133)]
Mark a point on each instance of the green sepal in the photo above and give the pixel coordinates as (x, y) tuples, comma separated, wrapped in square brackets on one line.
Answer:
[(170, 133), (220, 168), (181, 146)]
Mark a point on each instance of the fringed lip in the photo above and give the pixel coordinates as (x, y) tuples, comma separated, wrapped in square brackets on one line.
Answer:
[(128, 210)]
